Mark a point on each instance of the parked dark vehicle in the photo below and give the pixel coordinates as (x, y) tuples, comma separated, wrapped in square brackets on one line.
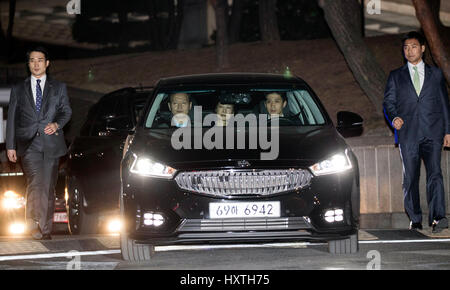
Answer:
[(176, 195), (93, 179)]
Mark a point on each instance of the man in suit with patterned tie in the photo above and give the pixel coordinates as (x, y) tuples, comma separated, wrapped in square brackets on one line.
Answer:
[(38, 110), (416, 104)]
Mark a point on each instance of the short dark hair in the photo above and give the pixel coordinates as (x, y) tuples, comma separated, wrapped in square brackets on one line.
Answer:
[(38, 49), (281, 94), (414, 35), (173, 94)]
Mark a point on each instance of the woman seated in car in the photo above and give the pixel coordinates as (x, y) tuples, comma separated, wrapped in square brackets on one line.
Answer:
[(224, 113)]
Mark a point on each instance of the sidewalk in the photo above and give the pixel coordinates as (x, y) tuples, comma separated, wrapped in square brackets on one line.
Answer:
[(44, 21), (397, 17), (389, 23)]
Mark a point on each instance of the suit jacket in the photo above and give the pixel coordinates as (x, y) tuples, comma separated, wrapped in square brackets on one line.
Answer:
[(426, 115), (24, 123)]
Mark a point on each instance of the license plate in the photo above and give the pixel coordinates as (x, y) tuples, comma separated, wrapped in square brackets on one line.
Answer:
[(220, 210), (60, 217)]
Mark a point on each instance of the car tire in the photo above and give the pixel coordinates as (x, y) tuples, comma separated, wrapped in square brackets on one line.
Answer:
[(344, 246), (133, 252), (80, 222)]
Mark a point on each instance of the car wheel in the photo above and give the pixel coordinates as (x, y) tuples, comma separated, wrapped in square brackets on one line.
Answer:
[(130, 250), (134, 252), (344, 246), (80, 222)]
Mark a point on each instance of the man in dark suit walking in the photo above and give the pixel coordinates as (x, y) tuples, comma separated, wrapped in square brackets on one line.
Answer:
[(38, 110), (416, 104)]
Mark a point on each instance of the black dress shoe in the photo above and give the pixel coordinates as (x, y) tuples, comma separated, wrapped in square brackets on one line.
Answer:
[(46, 237), (438, 225), (415, 226)]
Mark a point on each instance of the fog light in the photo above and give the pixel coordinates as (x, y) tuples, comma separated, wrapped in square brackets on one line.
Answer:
[(336, 215), (17, 228), (153, 219), (329, 219), (338, 218), (114, 225)]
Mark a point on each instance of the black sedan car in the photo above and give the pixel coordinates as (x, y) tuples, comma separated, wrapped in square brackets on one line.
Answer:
[(222, 158), (93, 166)]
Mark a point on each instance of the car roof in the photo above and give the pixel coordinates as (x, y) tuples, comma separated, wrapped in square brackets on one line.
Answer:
[(229, 79)]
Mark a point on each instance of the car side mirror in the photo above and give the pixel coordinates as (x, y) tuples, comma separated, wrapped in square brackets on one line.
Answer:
[(349, 124)]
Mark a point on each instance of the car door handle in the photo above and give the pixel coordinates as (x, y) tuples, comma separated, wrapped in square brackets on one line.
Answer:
[(101, 154)]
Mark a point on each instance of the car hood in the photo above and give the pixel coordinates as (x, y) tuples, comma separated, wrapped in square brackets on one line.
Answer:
[(306, 145)]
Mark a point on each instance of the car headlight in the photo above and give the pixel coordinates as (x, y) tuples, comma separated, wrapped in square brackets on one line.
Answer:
[(146, 167), (335, 164), (12, 200)]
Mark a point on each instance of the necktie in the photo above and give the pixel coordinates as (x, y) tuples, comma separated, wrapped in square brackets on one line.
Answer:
[(416, 80), (38, 96)]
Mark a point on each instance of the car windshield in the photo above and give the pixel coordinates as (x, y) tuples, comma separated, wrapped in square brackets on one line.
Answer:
[(222, 107)]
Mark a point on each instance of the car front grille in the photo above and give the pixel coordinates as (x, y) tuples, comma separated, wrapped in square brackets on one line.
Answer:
[(253, 224), (243, 182)]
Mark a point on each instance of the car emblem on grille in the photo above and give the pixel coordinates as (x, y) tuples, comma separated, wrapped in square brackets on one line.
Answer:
[(243, 163)]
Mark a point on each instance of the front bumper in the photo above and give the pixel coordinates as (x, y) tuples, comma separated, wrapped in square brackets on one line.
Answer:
[(187, 218)]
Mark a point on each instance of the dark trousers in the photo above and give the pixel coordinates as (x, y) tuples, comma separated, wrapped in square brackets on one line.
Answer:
[(41, 174), (430, 152)]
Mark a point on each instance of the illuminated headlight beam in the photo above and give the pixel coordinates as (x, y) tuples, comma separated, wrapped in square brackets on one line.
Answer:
[(12, 200), (335, 164)]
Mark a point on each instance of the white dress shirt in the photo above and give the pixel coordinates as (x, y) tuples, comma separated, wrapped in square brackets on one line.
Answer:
[(33, 85), (420, 69)]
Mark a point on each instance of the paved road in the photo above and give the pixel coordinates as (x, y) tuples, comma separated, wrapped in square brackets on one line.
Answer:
[(379, 249)]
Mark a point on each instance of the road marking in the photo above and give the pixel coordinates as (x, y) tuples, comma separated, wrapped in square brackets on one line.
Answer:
[(58, 255), (205, 247), (404, 241)]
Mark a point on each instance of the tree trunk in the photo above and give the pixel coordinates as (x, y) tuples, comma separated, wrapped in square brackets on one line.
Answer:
[(163, 9), (9, 31), (235, 21), (2, 41), (12, 14), (268, 23), (340, 16), (435, 6), (122, 13), (444, 31), (221, 34), (155, 38), (430, 29), (175, 35), (172, 23)]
